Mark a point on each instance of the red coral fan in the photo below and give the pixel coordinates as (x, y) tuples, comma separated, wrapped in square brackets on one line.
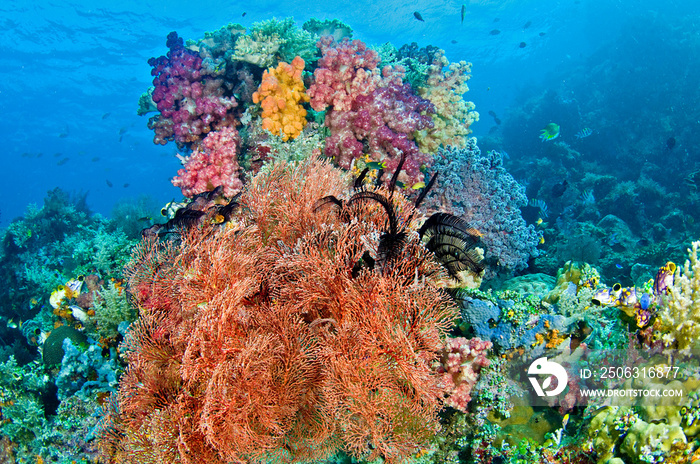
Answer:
[(190, 102), (213, 164), (262, 339)]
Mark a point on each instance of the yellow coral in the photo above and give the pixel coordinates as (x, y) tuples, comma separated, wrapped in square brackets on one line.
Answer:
[(453, 115), (280, 95), (680, 314)]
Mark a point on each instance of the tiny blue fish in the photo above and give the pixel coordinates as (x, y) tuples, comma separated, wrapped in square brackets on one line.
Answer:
[(583, 133), (619, 266)]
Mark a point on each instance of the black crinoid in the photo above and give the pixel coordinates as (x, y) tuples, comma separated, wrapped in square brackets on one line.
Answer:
[(448, 237), (204, 205), (454, 243)]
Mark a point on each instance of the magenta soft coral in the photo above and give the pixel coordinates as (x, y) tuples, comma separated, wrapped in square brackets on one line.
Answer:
[(213, 164), (368, 111), (190, 102), (383, 123)]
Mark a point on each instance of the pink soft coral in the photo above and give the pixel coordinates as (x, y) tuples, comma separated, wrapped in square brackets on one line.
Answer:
[(461, 362), (347, 70), (213, 164)]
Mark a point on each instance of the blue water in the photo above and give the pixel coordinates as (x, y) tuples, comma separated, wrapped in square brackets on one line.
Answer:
[(72, 72)]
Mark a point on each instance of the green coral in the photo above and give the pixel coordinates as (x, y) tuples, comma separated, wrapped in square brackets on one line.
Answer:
[(289, 39), (20, 401), (333, 27), (112, 307), (99, 249)]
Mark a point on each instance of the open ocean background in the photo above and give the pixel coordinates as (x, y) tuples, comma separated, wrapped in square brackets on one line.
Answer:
[(71, 73)]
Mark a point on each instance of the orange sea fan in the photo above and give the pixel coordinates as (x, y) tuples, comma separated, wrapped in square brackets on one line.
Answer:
[(263, 339)]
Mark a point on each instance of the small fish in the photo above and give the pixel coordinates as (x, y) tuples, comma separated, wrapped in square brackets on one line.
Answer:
[(542, 34), (122, 131), (539, 221), (376, 165), (106, 115), (95, 159), (492, 113), (536, 203), (564, 421), (495, 32), (618, 265), (243, 15), (146, 219), (62, 162), (418, 185), (495, 20), (453, 41), (464, 12), (523, 45), (587, 197), (527, 24), (559, 189), (109, 184), (670, 143), (126, 185), (56, 155), (550, 132), (418, 16), (692, 180), (542, 240), (583, 133), (400, 184), (63, 135)]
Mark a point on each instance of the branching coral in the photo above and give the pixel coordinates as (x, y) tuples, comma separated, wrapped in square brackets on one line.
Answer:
[(679, 316), (280, 95), (264, 339)]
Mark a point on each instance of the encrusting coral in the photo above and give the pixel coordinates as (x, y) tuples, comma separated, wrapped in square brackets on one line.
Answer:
[(273, 335)]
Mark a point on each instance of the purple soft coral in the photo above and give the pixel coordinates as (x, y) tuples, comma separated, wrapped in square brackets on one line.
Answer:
[(191, 104)]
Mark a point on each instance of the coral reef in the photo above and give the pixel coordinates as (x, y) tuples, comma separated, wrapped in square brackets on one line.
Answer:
[(461, 363)]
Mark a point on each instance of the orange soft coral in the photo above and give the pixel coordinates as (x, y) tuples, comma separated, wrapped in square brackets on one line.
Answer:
[(280, 94)]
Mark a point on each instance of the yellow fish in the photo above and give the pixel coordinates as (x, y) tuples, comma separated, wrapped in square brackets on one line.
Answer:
[(418, 185), (541, 240)]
